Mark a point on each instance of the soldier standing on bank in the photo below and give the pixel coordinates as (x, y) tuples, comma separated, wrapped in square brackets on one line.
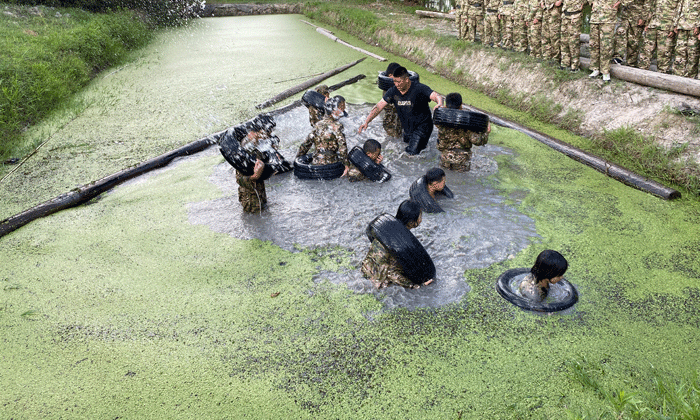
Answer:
[(491, 28), (520, 16), (534, 23), (603, 18), (687, 23), (475, 20), (628, 35), (572, 19), (506, 15), (659, 36), (551, 30)]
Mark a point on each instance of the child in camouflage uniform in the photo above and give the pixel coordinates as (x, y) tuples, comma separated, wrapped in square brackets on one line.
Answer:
[(379, 265), (373, 150), (327, 136), (315, 114), (455, 144)]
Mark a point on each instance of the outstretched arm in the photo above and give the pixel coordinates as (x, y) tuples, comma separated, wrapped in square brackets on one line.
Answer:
[(436, 97), (372, 114)]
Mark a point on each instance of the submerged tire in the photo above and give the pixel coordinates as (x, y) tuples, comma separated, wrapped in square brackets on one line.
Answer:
[(374, 171), (459, 118), (239, 158), (504, 289), (304, 170), (385, 82), (419, 193), (414, 259)]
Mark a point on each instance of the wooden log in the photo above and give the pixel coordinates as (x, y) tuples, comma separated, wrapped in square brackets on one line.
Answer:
[(438, 15), (678, 84), (330, 89), (89, 191), (307, 84), (619, 173), (330, 35)]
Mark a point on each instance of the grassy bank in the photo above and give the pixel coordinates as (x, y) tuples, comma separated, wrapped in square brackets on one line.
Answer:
[(49, 54)]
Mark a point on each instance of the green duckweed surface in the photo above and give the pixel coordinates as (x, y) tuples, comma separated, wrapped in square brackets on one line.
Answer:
[(122, 309)]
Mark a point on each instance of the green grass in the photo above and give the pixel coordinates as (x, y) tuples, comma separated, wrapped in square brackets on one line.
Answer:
[(46, 58)]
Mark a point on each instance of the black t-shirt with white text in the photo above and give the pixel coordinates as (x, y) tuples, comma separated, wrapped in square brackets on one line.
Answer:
[(413, 107)]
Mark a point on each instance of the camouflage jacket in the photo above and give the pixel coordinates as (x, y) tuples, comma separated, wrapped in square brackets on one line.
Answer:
[(329, 141), (688, 15), (664, 15), (573, 5), (491, 6), (383, 268), (632, 10), (521, 8), (506, 8), (457, 138), (251, 194), (314, 115), (602, 11), (535, 10)]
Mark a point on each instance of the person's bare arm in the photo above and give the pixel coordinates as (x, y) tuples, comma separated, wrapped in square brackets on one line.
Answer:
[(372, 114)]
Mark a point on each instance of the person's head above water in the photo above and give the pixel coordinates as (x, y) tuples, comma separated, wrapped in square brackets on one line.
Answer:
[(549, 265), (409, 213), (453, 100), (335, 107), (435, 179), (373, 149), (401, 79), (323, 90), (390, 68)]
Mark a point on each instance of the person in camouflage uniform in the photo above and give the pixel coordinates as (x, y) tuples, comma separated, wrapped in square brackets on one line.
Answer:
[(328, 137), (687, 30), (491, 28), (251, 191), (659, 36), (373, 150), (572, 19), (506, 15), (315, 114), (551, 30), (534, 23), (475, 20), (391, 121), (380, 266), (603, 18), (455, 144), (460, 17), (629, 32), (520, 16)]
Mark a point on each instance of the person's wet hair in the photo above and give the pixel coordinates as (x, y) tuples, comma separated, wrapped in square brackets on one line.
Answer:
[(549, 264), (453, 100), (323, 90), (434, 175), (371, 146), (390, 68), (400, 71), (333, 103), (408, 213)]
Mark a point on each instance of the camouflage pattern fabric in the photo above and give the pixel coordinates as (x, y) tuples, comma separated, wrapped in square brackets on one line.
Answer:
[(463, 24), (492, 30), (455, 146), (475, 21), (686, 62), (314, 115), (534, 37), (552, 38), (520, 12), (329, 141), (354, 175), (391, 122), (628, 35), (383, 268), (572, 19), (600, 44), (251, 194), (657, 40)]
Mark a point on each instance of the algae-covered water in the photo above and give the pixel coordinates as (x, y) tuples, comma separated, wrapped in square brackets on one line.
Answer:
[(152, 301)]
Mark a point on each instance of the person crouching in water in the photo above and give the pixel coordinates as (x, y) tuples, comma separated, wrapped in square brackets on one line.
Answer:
[(251, 190), (549, 269), (455, 144), (373, 150), (379, 265), (328, 137)]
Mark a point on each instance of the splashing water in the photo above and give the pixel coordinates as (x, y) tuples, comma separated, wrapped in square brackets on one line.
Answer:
[(476, 230)]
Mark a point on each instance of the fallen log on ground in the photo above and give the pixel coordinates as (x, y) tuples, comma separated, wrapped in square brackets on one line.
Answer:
[(678, 84), (87, 192), (307, 84), (330, 35), (608, 168), (427, 13), (330, 89)]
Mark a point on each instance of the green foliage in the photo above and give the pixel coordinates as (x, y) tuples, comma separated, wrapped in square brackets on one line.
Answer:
[(49, 55)]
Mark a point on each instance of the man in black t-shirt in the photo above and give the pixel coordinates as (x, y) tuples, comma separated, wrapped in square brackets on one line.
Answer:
[(412, 102)]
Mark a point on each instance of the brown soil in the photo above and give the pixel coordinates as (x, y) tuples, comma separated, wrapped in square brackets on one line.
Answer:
[(602, 106)]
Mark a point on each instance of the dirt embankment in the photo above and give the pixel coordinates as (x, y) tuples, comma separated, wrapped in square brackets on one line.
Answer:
[(600, 106)]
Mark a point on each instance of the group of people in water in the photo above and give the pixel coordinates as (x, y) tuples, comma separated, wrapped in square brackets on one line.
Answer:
[(408, 116)]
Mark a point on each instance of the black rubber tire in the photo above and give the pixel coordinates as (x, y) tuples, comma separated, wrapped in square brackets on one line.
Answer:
[(370, 169), (304, 170), (241, 159), (385, 82), (459, 118), (503, 288), (414, 259), (316, 100), (419, 193)]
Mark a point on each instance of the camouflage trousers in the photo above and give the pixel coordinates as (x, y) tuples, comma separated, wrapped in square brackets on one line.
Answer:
[(551, 33), (519, 34), (601, 45), (492, 32), (325, 157), (507, 32), (459, 25), (251, 194), (456, 159), (686, 62), (657, 39), (475, 27), (382, 268), (628, 36), (534, 39), (571, 40), (391, 122)]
